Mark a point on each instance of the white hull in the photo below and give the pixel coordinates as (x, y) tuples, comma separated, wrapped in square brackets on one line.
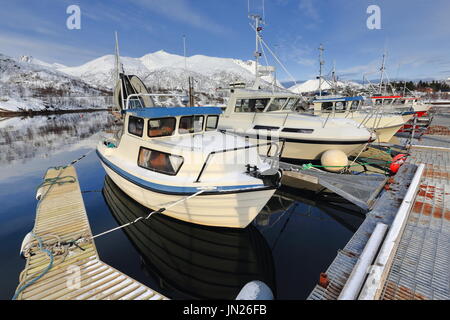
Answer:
[(309, 151), (386, 134), (233, 210)]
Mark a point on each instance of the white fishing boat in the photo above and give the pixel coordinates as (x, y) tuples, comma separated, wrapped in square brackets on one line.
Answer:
[(373, 116), (173, 159), (270, 114), (260, 114)]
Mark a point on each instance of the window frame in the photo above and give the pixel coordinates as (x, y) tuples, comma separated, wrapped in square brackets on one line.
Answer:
[(193, 117), (156, 170), (206, 122), (128, 126), (174, 127)]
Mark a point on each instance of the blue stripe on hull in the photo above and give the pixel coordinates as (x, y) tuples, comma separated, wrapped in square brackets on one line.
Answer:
[(161, 188)]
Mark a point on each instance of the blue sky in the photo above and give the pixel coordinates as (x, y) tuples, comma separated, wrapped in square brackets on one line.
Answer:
[(414, 33)]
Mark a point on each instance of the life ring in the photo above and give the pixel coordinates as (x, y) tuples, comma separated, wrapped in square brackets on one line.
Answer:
[(397, 162)]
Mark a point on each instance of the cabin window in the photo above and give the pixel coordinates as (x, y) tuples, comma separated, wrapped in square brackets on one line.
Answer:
[(159, 161), (161, 127), (327, 106), (298, 130), (135, 126), (211, 123), (290, 104), (340, 106), (191, 124), (251, 105), (354, 105), (277, 104)]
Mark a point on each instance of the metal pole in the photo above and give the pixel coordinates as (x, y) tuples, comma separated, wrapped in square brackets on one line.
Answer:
[(356, 279)]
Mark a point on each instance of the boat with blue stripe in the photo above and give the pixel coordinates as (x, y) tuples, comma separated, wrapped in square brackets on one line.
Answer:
[(173, 159)]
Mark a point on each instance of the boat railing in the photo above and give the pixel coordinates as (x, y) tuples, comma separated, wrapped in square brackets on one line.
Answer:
[(212, 153), (135, 97)]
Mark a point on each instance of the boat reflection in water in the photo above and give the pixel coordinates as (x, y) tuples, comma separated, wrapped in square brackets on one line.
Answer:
[(329, 205), (193, 261)]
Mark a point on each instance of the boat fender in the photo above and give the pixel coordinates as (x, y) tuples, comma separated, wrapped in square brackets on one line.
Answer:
[(397, 162), (26, 243), (255, 290), (39, 193)]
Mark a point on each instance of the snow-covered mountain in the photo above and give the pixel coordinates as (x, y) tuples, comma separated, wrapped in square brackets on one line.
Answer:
[(313, 86), (31, 84), (163, 70)]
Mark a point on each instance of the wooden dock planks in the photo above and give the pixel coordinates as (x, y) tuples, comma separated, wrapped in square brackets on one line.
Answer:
[(79, 274)]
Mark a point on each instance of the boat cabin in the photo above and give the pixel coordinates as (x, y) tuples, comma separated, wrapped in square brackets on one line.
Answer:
[(259, 101), (333, 104), (157, 122)]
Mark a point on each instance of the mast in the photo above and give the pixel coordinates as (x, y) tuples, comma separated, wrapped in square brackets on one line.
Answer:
[(184, 53), (321, 63), (117, 60), (258, 21), (382, 72)]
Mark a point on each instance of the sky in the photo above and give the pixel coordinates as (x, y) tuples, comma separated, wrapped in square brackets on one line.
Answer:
[(414, 34)]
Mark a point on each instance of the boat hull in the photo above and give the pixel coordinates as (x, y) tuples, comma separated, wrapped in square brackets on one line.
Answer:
[(385, 134), (228, 209), (313, 151)]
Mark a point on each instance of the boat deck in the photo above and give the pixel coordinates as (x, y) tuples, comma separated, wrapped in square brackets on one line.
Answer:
[(77, 272), (420, 264)]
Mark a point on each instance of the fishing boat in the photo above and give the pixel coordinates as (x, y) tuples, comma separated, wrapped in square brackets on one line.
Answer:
[(174, 160), (259, 114), (264, 114), (411, 105), (190, 261), (372, 116)]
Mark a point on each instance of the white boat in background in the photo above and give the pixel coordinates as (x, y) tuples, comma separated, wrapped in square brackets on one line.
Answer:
[(166, 154), (374, 117), (260, 114)]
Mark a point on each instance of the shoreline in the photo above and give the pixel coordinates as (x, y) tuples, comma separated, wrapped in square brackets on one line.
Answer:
[(31, 113)]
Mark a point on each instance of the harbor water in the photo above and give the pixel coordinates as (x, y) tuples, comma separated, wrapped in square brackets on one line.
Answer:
[(294, 238)]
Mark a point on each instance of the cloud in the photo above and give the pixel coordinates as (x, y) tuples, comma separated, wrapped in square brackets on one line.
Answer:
[(15, 45), (308, 8), (180, 10)]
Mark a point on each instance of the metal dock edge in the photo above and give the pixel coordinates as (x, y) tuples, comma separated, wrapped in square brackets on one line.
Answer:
[(419, 261), (78, 273)]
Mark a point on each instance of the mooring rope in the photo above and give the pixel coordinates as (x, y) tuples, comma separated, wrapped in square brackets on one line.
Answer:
[(150, 214)]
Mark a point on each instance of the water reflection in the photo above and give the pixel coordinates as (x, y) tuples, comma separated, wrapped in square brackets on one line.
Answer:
[(332, 207), (192, 261), (25, 138)]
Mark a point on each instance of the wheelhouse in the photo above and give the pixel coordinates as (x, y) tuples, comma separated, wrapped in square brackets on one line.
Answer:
[(337, 104), (161, 122), (258, 101), (158, 122)]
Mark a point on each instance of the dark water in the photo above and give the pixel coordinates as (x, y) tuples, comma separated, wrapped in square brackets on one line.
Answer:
[(292, 240)]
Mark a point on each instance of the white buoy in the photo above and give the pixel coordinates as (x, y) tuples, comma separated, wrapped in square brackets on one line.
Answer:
[(255, 290), (334, 160)]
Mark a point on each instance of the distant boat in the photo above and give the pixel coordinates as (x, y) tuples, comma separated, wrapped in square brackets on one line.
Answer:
[(191, 261), (374, 117)]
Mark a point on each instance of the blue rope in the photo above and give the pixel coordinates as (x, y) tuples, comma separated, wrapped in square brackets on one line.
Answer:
[(50, 265)]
